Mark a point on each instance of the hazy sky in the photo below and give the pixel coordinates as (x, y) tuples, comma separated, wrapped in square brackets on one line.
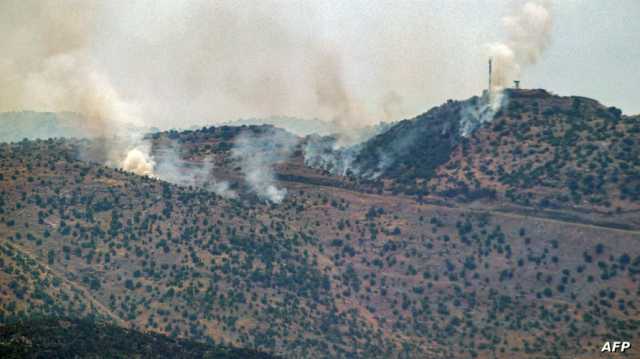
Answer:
[(174, 63), (595, 53)]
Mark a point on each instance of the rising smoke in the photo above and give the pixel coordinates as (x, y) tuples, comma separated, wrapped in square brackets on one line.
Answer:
[(48, 68), (172, 167), (480, 110), (200, 62), (138, 161), (169, 63), (173, 64), (64, 56), (257, 153), (528, 35), (326, 153)]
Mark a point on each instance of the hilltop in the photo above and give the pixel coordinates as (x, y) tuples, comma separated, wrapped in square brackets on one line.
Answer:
[(539, 146), (537, 142)]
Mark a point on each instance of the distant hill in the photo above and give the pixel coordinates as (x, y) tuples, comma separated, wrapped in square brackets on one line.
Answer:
[(15, 126), (297, 126), (85, 338), (305, 127)]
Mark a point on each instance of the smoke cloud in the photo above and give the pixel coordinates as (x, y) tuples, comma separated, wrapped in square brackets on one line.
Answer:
[(483, 109), (392, 106), (528, 35), (48, 68), (326, 153), (175, 64), (138, 161), (257, 153), (172, 167)]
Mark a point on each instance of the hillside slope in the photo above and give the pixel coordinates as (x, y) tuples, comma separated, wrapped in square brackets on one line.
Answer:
[(329, 272), (174, 260), (539, 150), (73, 338), (551, 151)]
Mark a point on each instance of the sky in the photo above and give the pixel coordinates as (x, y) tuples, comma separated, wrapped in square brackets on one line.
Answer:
[(182, 63), (594, 53)]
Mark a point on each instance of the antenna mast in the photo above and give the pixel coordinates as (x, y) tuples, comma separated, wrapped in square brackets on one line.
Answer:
[(489, 75)]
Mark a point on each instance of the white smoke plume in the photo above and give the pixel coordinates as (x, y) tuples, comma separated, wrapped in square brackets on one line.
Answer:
[(482, 110), (257, 153), (46, 67), (326, 153), (152, 62), (337, 153), (199, 61), (137, 160), (171, 166), (528, 35)]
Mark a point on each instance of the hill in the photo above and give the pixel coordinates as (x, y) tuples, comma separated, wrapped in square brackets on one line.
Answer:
[(84, 338), (297, 126), (540, 145), (412, 148), (329, 272), (520, 156), (536, 145), (306, 127), (174, 260)]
